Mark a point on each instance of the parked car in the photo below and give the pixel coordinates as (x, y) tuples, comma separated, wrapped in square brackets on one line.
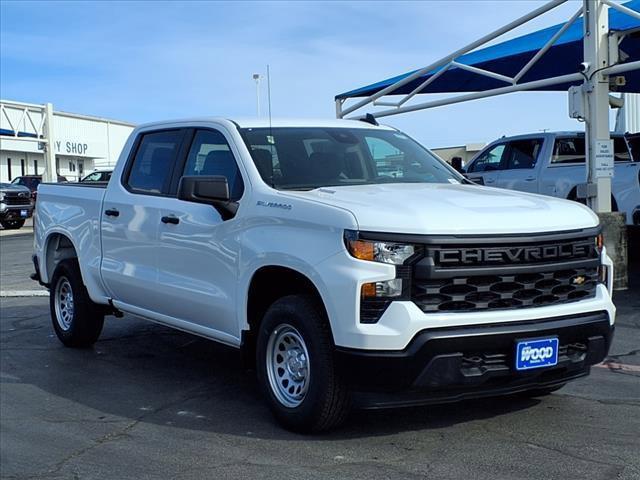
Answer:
[(553, 163), (346, 283), (101, 175), (16, 205), (32, 182)]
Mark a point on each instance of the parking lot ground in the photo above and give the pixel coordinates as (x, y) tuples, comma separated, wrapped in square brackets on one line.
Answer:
[(148, 402)]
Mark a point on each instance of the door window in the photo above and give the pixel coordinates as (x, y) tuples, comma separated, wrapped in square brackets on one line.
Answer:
[(210, 154), (523, 154), (489, 160), (153, 163)]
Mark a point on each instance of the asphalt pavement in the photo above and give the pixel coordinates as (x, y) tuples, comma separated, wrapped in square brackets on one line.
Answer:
[(148, 402)]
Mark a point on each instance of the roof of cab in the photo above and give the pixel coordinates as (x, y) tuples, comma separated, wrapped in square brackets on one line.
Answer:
[(274, 122)]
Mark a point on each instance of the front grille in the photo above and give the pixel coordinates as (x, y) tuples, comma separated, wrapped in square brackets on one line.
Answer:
[(486, 273), (13, 199), (495, 292)]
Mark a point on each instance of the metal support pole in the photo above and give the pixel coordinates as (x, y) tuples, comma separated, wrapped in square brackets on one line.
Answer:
[(596, 91), (50, 173), (257, 77), (599, 147), (339, 108)]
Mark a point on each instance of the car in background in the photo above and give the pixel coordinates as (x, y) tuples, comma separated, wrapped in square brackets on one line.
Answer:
[(98, 175), (553, 163), (32, 182), (16, 205)]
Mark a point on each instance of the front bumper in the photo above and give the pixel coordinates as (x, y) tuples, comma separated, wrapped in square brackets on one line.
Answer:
[(14, 212), (456, 363)]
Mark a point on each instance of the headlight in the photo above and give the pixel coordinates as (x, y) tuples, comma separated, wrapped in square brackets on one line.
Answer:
[(2, 195), (376, 296), (375, 251)]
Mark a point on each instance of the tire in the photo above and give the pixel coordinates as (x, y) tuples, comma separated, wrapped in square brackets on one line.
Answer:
[(76, 320), (12, 224), (309, 395)]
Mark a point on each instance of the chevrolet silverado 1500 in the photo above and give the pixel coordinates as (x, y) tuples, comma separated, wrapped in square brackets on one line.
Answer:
[(347, 262)]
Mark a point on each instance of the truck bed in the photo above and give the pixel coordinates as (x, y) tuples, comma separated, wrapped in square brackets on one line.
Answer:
[(74, 210)]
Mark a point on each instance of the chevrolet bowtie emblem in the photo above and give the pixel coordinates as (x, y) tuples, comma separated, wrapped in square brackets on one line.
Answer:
[(579, 280)]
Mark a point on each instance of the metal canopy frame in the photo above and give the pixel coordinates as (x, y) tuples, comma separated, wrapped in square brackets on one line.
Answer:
[(40, 119), (600, 62)]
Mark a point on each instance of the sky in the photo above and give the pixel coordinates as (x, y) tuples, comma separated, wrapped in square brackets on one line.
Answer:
[(147, 61)]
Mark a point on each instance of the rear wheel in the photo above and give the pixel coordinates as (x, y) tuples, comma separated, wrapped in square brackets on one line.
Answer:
[(296, 367), (77, 321), (12, 224)]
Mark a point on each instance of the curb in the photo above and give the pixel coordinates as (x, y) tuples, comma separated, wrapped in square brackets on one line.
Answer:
[(23, 293)]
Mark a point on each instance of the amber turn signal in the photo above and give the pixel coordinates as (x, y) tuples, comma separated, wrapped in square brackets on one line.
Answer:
[(361, 250), (368, 290), (599, 242)]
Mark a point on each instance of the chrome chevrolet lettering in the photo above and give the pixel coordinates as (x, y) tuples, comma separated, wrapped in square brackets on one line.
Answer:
[(516, 254)]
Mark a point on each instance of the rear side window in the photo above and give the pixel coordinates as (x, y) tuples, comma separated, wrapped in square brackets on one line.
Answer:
[(523, 154), (210, 155), (152, 166), (571, 150)]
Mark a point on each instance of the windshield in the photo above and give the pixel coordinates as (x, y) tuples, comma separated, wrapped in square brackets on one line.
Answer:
[(308, 158)]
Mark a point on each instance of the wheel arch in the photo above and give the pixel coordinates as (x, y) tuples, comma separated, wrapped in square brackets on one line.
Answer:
[(58, 246), (269, 283)]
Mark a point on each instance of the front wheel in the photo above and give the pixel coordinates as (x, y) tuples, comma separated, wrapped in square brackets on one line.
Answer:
[(296, 367), (12, 224), (77, 321)]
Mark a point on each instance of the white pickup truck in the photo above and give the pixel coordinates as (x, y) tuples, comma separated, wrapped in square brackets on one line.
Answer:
[(347, 262)]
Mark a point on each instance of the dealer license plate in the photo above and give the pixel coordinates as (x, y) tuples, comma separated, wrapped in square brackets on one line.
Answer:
[(538, 353)]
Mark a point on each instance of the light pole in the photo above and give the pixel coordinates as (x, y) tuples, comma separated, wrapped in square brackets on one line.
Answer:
[(257, 77)]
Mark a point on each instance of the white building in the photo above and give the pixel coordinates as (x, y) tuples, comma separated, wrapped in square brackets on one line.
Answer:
[(81, 143)]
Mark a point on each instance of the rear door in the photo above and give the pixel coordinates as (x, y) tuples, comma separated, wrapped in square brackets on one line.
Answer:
[(521, 166), (485, 168), (131, 218)]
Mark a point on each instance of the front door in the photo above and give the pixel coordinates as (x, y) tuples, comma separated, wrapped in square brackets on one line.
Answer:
[(485, 169), (198, 252)]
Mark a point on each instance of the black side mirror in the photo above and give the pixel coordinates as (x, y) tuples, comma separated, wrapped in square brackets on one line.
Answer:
[(456, 163), (211, 190)]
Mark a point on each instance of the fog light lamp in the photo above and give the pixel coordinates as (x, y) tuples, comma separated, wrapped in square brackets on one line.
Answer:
[(386, 289)]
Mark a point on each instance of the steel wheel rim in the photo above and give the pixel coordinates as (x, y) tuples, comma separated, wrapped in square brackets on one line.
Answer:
[(288, 367), (63, 298)]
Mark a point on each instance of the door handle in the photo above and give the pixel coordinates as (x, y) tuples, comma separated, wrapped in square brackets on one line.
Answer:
[(111, 212), (170, 219), (530, 179), (490, 180)]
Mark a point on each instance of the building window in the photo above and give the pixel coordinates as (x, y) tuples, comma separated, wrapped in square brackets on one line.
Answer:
[(9, 169), (35, 167), (22, 167)]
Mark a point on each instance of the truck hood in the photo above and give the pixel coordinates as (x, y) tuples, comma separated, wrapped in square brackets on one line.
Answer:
[(10, 187), (439, 209)]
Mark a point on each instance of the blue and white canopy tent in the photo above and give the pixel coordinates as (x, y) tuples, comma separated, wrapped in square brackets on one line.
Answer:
[(554, 52)]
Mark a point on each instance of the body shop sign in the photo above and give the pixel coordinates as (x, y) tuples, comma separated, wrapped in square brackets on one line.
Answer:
[(70, 147)]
